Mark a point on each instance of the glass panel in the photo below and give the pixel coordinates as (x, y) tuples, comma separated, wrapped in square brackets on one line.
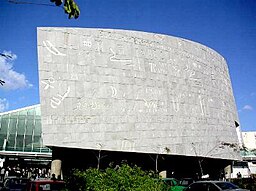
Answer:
[(22, 117), (21, 126), (23, 112), (11, 142), (31, 112), (4, 125), (2, 137), (30, 117), (19, 143), (12, 126), (14, 115), (3, 131), (38, 111), (30, 127), (38, 128), (28, 142), (45, 150), (37, 143)]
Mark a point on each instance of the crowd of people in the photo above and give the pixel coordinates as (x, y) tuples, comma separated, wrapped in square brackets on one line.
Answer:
[(32, 173)]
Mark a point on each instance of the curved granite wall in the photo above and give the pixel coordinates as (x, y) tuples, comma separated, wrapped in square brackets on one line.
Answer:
[(135, 91)]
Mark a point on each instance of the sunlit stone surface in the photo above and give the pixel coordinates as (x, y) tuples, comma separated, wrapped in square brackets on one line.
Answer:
[(135, 91)]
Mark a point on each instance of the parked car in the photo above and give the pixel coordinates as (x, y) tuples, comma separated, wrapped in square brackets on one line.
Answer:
[(213, 186), (173, 184), (42, 185), (186, 182), (13, 183)]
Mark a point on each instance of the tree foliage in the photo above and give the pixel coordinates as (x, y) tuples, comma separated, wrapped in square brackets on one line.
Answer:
[(121, 178), (70, 7)]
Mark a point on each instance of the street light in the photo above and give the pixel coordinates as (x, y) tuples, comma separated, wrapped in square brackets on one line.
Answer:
[(220, 145)]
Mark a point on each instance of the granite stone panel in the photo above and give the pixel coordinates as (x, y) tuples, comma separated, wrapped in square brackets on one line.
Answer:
[(135, 91)]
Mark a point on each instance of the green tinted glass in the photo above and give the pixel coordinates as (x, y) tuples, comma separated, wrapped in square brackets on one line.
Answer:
[(22, 130)]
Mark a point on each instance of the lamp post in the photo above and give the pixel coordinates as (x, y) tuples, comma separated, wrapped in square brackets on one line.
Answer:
[(199, 161), (219, 145)]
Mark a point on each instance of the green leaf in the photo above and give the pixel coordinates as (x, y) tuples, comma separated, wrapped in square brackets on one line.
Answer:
[(70, 7)]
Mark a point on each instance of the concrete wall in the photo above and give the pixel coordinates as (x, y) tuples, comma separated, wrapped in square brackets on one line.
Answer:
[(135, 91)]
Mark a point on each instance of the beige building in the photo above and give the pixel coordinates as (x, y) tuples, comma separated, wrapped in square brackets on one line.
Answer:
[(249, 139)]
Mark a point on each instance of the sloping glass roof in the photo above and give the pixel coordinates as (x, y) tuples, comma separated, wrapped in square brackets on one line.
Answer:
[(20, 130)]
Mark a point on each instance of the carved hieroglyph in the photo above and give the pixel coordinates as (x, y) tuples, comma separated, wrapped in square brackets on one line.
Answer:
[(135, 91)]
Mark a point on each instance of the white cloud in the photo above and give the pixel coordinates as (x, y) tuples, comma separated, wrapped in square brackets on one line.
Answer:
[(13, 80), (247, 107), (4, 104)]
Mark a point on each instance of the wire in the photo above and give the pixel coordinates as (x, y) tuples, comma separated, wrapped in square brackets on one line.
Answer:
[(30, 3)]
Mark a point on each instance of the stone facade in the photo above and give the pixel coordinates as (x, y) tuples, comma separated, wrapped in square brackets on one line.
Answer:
[(134, 91)]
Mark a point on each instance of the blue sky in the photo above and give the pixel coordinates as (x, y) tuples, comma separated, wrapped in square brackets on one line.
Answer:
[(229, 27)]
